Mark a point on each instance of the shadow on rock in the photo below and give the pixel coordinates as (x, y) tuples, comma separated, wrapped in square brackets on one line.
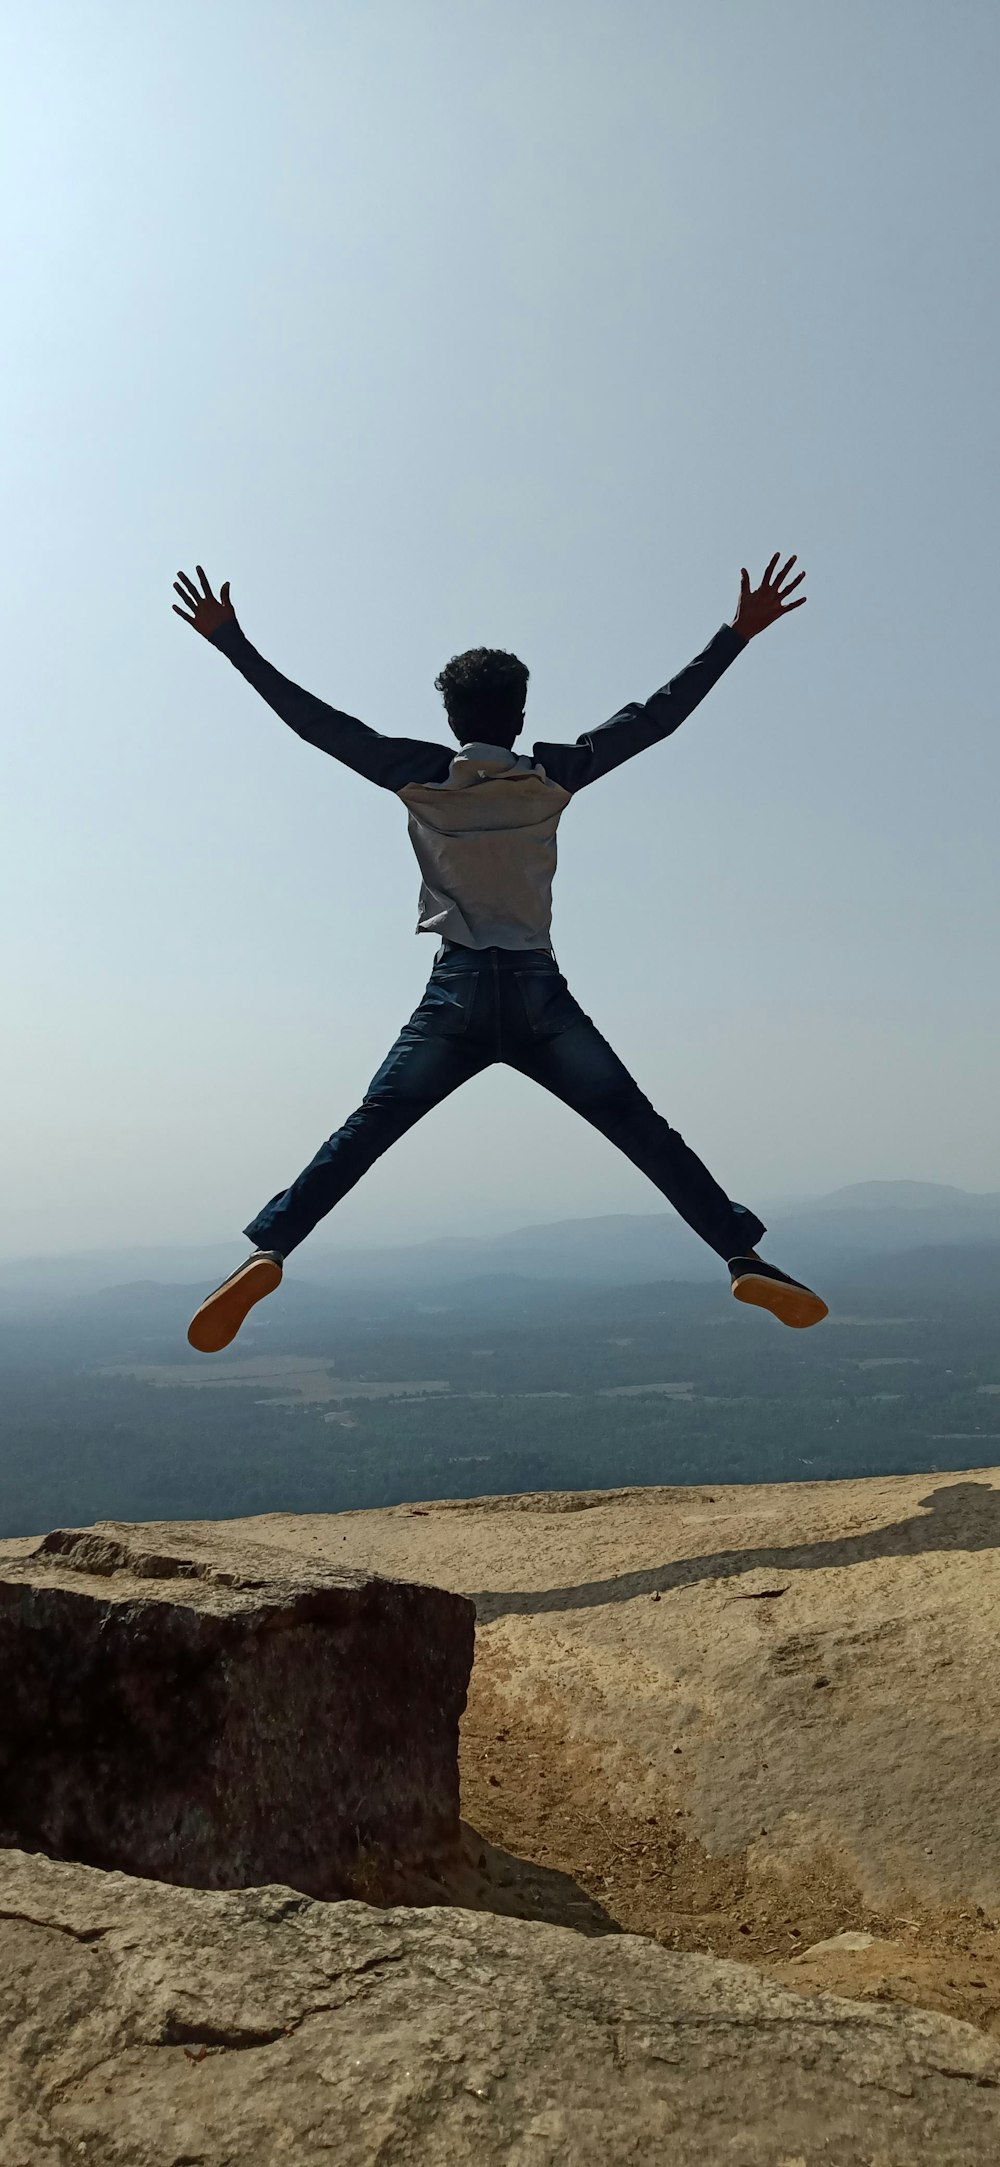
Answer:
[(482, 1877), (960, 1516)]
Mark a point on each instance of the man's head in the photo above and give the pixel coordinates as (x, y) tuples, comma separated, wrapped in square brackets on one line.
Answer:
[(484, 692)]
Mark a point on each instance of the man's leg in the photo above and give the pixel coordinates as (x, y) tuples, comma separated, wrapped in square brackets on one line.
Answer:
[(580, 1068), (572, 1060), (434, 1053), (417, 1074)]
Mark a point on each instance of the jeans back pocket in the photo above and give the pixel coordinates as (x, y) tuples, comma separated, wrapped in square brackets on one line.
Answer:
[(446, 1008), (548, 1004)]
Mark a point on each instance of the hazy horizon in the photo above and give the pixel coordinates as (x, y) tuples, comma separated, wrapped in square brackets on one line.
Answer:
[(864, 1197), (427, 325)]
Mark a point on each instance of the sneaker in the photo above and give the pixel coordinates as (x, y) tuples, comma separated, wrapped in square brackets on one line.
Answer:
[(218, 1320), (767, 1288)]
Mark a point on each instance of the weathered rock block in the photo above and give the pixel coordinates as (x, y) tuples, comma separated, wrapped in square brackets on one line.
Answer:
[(145, 2026), (223, 1724)]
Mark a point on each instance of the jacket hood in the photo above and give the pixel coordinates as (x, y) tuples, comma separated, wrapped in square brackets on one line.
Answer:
[(477, 763)]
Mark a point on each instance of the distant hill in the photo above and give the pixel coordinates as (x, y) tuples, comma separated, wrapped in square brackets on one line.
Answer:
[(867, 1219), (878, 1217), (900, 1196), (864, 1220)]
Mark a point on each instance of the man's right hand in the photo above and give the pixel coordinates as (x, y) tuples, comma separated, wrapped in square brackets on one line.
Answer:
[(207, 613)]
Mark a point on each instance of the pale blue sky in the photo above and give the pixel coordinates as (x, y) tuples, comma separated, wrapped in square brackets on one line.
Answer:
[(435, 322)]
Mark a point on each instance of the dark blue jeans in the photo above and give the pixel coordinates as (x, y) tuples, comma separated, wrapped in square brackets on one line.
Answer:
[(502, 1004)]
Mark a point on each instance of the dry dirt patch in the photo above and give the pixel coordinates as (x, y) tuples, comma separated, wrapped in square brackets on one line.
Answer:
[(535, 1791)]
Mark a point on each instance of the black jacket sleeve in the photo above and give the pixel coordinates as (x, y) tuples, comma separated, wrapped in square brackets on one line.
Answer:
[(391, 762), (644, 723)]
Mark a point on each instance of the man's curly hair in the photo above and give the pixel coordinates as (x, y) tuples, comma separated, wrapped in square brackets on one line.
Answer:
[(483, 689)]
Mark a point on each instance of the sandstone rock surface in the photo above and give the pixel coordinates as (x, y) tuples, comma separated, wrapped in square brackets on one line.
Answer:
[(149, 2026), (227, 1721), (800, 1738)]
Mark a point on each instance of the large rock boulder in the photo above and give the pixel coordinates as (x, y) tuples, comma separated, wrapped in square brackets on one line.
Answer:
[(225, 1723), (145, 2026)]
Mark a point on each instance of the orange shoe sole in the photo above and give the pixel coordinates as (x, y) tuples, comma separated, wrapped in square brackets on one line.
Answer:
[(796, 1306), (217, 1322)]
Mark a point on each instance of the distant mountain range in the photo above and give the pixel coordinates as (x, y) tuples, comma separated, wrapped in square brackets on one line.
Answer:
[(881, 1216), (865, 1220)]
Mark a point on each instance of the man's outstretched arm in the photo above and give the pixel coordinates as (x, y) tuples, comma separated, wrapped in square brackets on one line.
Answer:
[(646, 723), (390, 761)]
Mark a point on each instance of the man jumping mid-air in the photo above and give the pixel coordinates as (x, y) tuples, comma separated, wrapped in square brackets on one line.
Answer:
[(483, 825)]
